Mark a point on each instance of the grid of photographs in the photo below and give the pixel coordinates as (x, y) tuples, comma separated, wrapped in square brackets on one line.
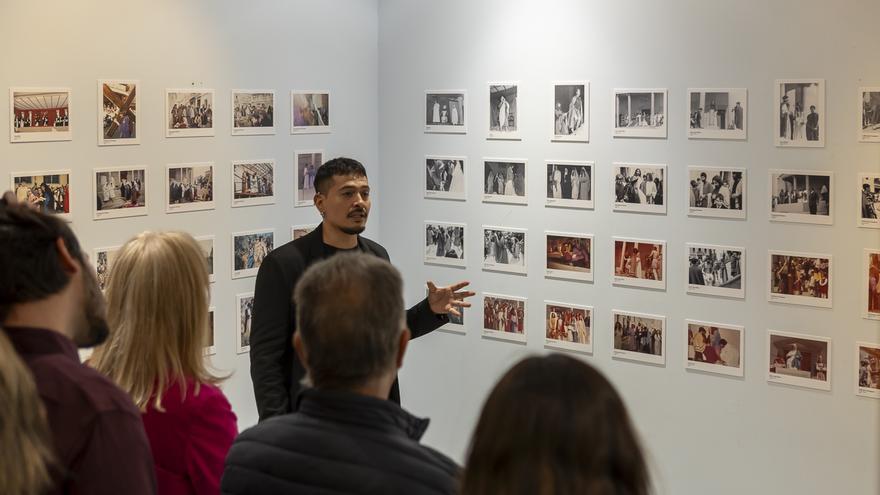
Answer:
[(444, 243), (206, 243), (504, 317), (310, 112), (253, 182), (569, 256), (801, 196), (871, 284), (570, 184), (190, 187), (869, 204), (104, 258), (571, 111), (298, 231), (869, 108), (503, 110), (639, 337), (640, 188), (444, 177), (868, 370), (253, 112), (249, 249), (244, 313), (505, 181), (717, 192), (639, 263), (640, 113), (117, 114), (568, 327), (189, 113), (717, 113), (799, 360), (800, 120), (445, 111), (504, 249), (714, 347), (120, 192), (48, 192), (800, 278), (716, 270), (306, 163), (39, 114)]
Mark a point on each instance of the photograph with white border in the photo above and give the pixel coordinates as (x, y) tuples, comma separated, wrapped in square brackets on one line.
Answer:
[(505, 181), (103, 260), (48, 191), (802, 196), (211, 348), (206, 243), (445, 177), (504, 317), (869, 109), (639, 263), (445, 111), (119, 192), (253, 182), (714, 347), (504, 249), (306, 164), (716, 270), (310, 112), (571, 111), (800, 113), (569, 256), (717, 192), (800, 278), (568, 327), (253, 112), (639, 188), (639, 337), (117, 112), (39, 115), (871, 284), (640, 113), (455, 324), (190, 187), (244, 314), (868, 370), (570, 184), (249, 249), (799, 360), (869, 200), (504, 111), (718, 113), (444, 243), (298, 231), (189, 112)]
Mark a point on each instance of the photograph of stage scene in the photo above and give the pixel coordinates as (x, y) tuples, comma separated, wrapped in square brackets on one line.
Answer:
[(568, 253), (253, 110), (40, 112), (567, 324), (716, 111), (638, 334), (190, 110), (120, 110), (48, 193), (638, 260), (799, 357), (873, 284), (253, 180), (800, 110), (715, 267), (714, 345), (799, 276), (120, 189), (190, 184), (801, 194), (869, 367), (640, 110), (311, 109)]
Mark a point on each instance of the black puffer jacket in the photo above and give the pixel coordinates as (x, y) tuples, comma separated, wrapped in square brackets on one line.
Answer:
[(338, 443)]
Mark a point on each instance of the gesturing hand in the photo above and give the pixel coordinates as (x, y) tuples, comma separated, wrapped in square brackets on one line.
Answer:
[(447, 300)]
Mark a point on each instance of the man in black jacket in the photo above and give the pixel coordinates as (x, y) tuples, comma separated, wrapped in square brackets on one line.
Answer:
[(345, 436), (343, 200)]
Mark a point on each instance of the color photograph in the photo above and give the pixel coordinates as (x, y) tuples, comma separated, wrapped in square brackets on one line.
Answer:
[(800, 278), (504, 317), (117, 114), (206, 243), (253, 112), (48, 192), (714, 348), (871, 284), (249, 249), (103, 260), (190, 187), (189, 113), (253, 182), (569, 256), (868, 370), (211, 348), (799, 360), (869, 200), (306, 164), (639, 263), (310, 112), (120, 192), (639, 337), (244, 313), (39, 114), (298, 231), (568, 327)]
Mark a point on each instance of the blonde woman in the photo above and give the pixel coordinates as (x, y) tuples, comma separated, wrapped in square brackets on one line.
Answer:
[(157, 304)]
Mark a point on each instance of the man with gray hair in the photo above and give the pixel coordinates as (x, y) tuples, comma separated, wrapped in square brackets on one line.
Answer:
[(345, 436)]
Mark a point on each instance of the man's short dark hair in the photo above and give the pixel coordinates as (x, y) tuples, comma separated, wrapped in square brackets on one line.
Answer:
[(337, 166), (30, 267), (349, 313)]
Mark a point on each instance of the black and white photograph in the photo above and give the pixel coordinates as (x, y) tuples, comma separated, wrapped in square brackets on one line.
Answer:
[(869, 200), (189, 112), (801, 196), (799, 360), (253, 112), (39, 114), (310, 112), (871, 284), (569, 256), (800, 113), (48, 192), (103, 260), (505, 181), (718, 113), (571, 111), (445, 111), (244, 313), (504, 249), (639, 263), (504, 317), (869, 107), (570, 184), (568, 327), (717, 192), (306, 164), (455, 324), (800, 278), (640, 188), (504, 110), (249, 249), (867, 370), (253, 182), (298, 231), (639, 337), (714, 348), (211, 348), (716, 270), (206, 242), (117, 113), (444, 177), (444, 243), (640, 113), (190, 187), (120, 192)]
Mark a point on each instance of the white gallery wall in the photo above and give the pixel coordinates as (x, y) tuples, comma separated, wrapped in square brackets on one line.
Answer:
[(704, 433)]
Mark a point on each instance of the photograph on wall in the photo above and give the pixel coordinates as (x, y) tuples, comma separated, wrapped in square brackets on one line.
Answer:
[(801, 196), (445, 111), (444, 177), (800, 110), (504, 317), (253, 112), (306, 164), (211, 348), (117, 113), (714, 347), (244, 313), (571, 110), (120, 192), (190, 187), (869, 202), (570, 184), (718, 113), (871, 284), (310, 112), (568, 327), (569, 256), (444, 243), (640, 113), (505, 181), (504, 249), (298, 231), (189, 112), (253, 182), (640, 188), (103, 260), (716, 270), (503, 110), (39, 114), (869, 105), (206, 243), (48, 192), (800, 278), (249, 249), (639, 263), (455, 324), (868, 370), (639, 337), (799, 360), (717, 192)]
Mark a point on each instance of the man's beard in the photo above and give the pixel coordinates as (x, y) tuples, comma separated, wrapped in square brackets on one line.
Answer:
[(353, 230), (93, 329)]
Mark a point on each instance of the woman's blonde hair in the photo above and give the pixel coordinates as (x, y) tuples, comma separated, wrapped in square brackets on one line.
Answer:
[(157, 307), (25, 440)]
